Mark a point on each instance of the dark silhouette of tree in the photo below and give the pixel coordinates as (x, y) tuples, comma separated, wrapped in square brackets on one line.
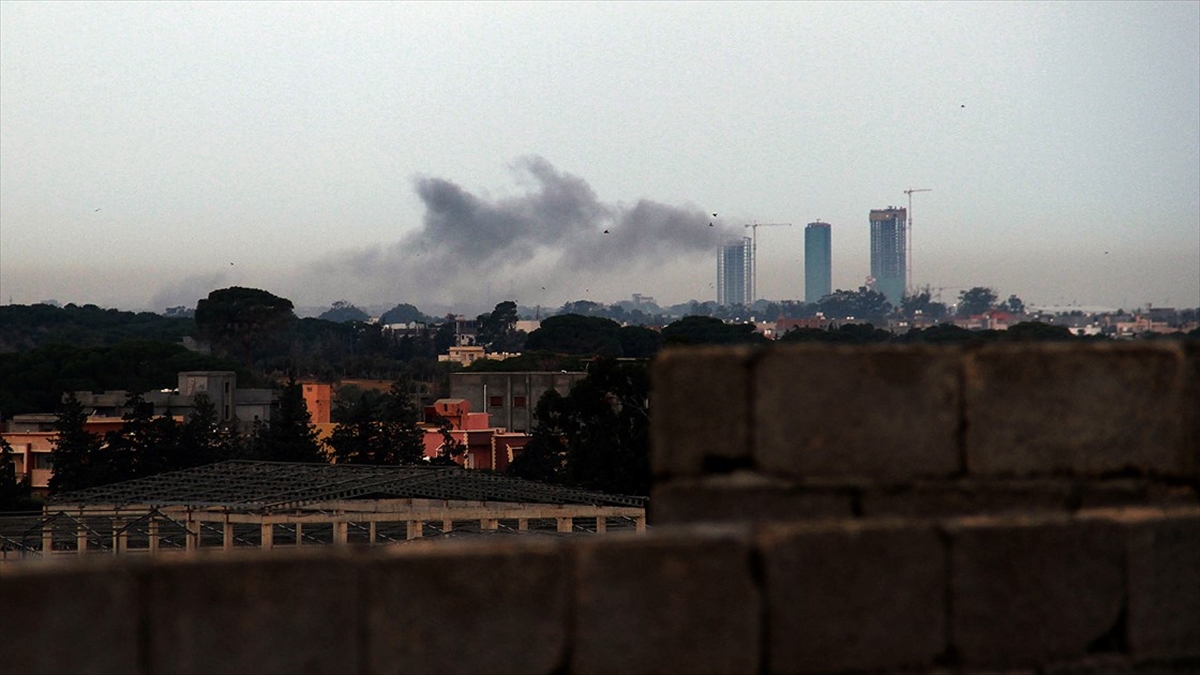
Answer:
[(14, 491), (144, 445), (379, 428), (451, 449), (289, 436), (576, 334), (922, 304), (851, 333), (344, 312), (497, 331), (707, 330), (204, 439), (403, 313), (76, 451), (1014, 305), (975, 301), (240, 321), (596, 437), (639, 342), (861, 305)]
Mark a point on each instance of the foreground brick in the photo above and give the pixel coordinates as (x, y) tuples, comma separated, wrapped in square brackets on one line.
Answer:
[(701, 402), (854, 595), (727, 499), (472, 609), (887, 412), (677, 601), (1030, 590), (68, 619), (255, 614), (1079, 409), (1164, 583)]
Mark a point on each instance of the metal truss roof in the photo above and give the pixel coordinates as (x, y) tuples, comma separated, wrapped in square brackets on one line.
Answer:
[(271, 486)]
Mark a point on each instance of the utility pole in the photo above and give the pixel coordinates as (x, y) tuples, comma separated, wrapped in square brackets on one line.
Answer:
[(908, 283), (754, 255)]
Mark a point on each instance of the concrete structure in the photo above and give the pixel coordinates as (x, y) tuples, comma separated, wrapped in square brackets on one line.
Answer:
[(509, 398), (1013, 508), (243, 405), (735, 267), (818, 261), (889, 238), (484, 447)]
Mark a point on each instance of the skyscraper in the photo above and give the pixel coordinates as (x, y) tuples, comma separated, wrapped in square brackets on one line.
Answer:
[(889, 234), (818, 261), (735, 263)]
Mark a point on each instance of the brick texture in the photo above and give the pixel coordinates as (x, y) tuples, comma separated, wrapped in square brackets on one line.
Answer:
[(890, 412), (1164, 584), (1029, 590), (729, 500), (470, 609), (701, 403), (1077, 409), (255, 614), (69, 620), (680, 601), (851, 596)]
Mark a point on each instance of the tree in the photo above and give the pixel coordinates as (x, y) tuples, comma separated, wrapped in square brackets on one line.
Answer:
[(14, 492), (203, 439), (1014, 305), (639, 342), (238, 320), (75, 454), (289, 436), (596, 437), (343, 312), (497, 331), (922, 304), (707, 330), (144, 445), (861, 305), (975, 301), (451, 449), (403, 313), (576, 334), (379, 429)]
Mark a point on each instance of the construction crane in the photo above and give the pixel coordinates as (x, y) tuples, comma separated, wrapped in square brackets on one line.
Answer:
[(908, 284), (754, 255)]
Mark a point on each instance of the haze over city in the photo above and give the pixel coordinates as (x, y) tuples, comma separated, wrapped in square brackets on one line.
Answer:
[(453, 155)]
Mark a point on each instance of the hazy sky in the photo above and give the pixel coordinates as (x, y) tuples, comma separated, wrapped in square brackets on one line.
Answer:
[(453, 155)]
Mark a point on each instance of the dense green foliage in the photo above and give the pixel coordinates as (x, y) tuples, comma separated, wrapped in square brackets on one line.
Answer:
[(34, 381), (342, 311), (244, 322), (596, 437), (25, 327), (707, 330), (378, 428), (576, 334)]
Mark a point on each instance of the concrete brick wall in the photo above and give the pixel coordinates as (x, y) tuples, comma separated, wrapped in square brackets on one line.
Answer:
[(805, 524)]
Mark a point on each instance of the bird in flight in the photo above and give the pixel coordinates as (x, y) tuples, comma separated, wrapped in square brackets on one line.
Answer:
[(606, 232), (714, 215), (710, 224), (95, 211)]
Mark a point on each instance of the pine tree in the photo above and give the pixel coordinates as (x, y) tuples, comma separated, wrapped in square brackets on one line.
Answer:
[(76, 452), (290, 436)]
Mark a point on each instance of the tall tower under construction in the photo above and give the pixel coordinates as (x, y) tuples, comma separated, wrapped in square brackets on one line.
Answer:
[(818, 261), (735, 264), (889, 235)]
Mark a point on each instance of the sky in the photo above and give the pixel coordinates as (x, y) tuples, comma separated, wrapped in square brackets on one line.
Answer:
[(454, 155)]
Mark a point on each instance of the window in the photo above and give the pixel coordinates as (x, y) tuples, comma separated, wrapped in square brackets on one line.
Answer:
[(495, 401), (518, 401), (41, 460)]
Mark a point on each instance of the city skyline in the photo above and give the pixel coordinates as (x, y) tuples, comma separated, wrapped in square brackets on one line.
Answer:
[(549, 153)]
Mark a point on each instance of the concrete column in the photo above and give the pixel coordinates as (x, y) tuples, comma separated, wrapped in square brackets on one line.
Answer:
[(299, 534), (414, 529), (372, 530), (639, 523), (601, 524), (81, 540), (120, 537), (227, 531), (522, 524), (489, 524), (153, 537), (340, 532), (564, 524), (268, 536), (192, 535), (47, 538), (447, 526)]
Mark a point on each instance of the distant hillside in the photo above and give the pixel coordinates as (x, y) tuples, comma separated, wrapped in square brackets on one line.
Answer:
[(26, 327)]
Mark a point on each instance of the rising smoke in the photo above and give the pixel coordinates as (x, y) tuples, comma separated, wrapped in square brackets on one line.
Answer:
[(557, 234)]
